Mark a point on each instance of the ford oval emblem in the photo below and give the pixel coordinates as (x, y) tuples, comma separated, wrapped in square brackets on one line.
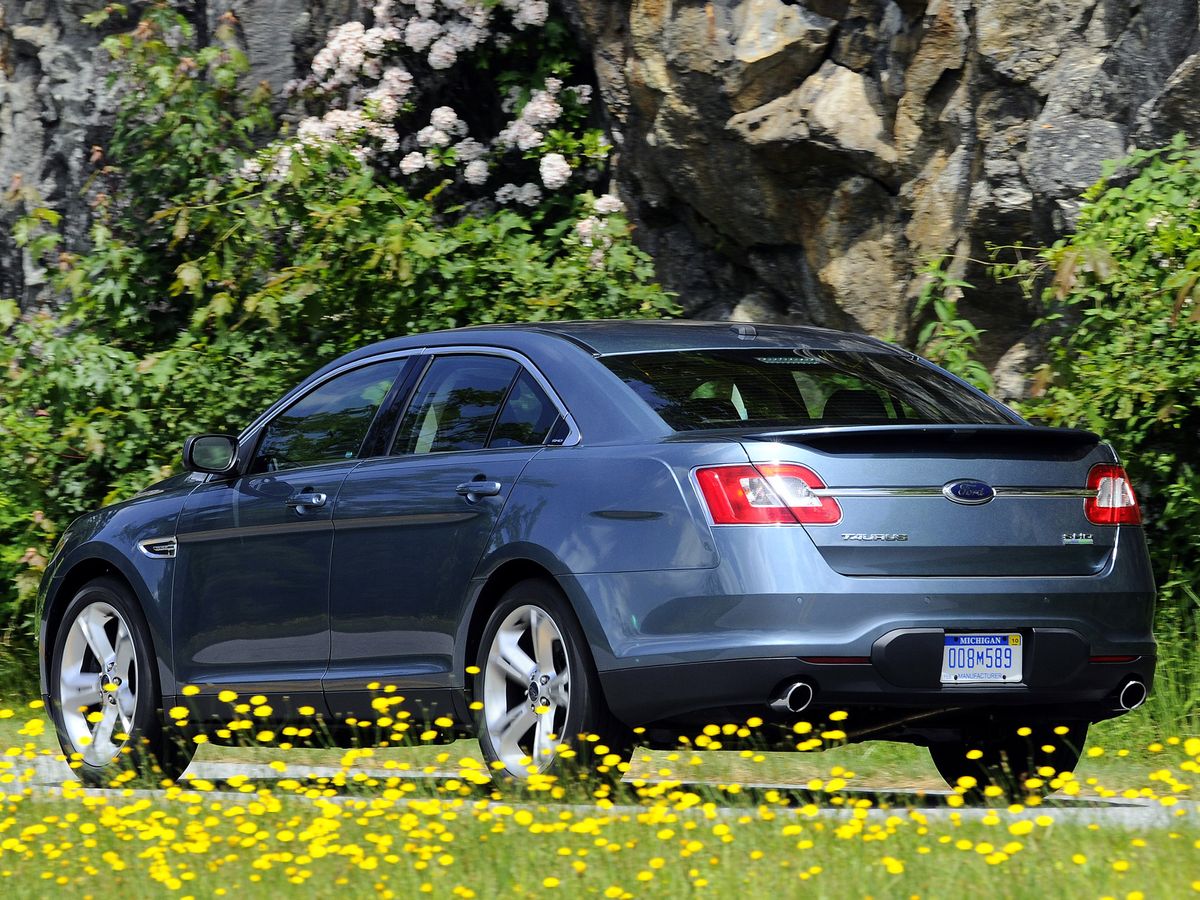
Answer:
[(969, 491)]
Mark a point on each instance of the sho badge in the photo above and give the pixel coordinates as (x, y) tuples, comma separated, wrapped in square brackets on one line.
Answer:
[(859, 536), (1078, 537)]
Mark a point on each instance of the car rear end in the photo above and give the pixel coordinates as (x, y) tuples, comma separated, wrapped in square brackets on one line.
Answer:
[(905, 546)]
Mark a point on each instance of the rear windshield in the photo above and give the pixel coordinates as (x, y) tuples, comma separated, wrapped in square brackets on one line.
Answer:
[(695, 389)]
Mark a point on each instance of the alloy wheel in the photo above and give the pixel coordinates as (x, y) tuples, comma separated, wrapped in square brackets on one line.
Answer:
[(526, 690), (98, 683)]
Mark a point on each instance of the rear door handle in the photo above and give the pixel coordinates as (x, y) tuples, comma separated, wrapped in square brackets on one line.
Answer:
[(307, 500), (472, 489)]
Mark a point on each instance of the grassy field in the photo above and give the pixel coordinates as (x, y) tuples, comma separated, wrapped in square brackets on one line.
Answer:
[(369, 828)]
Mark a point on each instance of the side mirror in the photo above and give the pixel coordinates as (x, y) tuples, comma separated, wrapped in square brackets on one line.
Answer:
[(212, 453)]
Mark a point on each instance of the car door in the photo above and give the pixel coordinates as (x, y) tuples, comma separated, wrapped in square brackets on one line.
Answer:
[(252, 572), (412, 526)]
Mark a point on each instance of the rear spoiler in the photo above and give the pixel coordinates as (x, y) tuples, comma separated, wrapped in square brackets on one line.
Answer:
[(1013, 441)]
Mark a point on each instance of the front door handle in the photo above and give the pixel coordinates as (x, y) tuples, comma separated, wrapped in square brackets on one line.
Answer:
[(307, 500), (473, 489)]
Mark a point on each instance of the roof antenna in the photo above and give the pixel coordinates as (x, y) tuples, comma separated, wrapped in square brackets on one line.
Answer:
[(744, 332)]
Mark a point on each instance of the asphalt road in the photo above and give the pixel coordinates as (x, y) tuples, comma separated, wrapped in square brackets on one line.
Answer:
[(45, 774)]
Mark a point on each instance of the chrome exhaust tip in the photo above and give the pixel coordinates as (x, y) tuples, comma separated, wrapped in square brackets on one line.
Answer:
[(794, 698), (1132, 695)]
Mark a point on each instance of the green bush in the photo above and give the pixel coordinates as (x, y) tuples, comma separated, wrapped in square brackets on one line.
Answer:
[(208, 289), (945, 337), (1122, 296)]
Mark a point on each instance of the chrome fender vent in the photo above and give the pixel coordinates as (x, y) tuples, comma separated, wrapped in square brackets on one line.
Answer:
[(159, 548)]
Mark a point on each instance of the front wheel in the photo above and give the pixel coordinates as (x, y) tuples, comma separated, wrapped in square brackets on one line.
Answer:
[(539, 690), (105, 699), (1006, 756)]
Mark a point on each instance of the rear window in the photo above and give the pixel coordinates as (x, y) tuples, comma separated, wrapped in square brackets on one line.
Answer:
[(696, 389)]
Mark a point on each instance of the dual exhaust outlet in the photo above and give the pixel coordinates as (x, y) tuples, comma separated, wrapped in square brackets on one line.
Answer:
[(797, 696), (1132, 695), (794, 697)]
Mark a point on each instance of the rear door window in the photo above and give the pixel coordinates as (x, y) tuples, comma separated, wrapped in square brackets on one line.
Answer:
[(527, 418), (455, 405), (697, 389)]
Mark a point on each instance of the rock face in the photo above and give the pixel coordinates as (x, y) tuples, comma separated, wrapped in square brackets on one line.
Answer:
[(794, 160), (802, 158), (54, 105)]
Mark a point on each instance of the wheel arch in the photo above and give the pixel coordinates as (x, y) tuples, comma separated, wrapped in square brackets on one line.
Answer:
[(88, 565), (486, 598), (489, 588)]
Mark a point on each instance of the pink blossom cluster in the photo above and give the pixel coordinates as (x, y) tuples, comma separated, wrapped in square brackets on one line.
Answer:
[(346, 122), (352, 50), (524, 132), (527, 13), (370, 77), (529, 194), (590, 230)]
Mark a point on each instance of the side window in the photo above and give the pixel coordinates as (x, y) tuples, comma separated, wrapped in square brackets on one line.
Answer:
[(527, 417), (455, 404), (329, 423)]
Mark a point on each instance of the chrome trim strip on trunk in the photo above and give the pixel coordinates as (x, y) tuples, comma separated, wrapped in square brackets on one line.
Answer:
[(1036, 492), (879, 492), (1078, 493)]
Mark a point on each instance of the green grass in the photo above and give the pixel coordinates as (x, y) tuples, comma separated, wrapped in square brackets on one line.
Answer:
[(265, 845), (369, 830), (881, 765)]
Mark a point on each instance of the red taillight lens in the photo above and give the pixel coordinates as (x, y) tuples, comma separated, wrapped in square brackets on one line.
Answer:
[(1114, 503), (776, 494)]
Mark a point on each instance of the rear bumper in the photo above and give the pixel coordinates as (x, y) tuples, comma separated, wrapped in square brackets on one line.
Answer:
[(902, 674)]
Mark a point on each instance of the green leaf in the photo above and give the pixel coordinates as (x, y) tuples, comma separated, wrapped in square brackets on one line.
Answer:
[(9, 312), (188, 277)]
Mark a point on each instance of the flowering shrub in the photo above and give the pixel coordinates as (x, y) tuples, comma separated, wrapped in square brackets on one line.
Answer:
[(379, 87), (218, 274)]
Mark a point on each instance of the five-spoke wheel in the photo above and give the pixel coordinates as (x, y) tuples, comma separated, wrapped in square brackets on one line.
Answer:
[(98, 683), (105, 700), (526, 689), (537, 685)]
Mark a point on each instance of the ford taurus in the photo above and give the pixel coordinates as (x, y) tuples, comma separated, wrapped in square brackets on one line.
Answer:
[(548, 530)]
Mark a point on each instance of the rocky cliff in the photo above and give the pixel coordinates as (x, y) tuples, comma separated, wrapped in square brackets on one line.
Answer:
[(793, 160), (799, 160), (54, 105)]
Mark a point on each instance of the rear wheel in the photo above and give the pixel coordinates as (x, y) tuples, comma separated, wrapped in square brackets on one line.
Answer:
[(1000, 754), (105, 701), (539, 689)]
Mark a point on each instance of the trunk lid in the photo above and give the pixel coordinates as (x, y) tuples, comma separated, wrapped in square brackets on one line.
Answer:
[(951, 500)]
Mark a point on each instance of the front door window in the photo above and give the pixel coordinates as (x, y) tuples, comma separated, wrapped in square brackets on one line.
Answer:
[(328, 424)]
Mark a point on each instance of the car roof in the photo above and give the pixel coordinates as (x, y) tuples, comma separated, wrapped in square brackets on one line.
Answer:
[(617, 336), (612, 336), (593, 392)]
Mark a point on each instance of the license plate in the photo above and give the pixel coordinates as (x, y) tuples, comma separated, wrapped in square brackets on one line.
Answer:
[(982, 658)]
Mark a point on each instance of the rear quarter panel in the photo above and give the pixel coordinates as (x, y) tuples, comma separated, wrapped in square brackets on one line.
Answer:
[(609, 509)]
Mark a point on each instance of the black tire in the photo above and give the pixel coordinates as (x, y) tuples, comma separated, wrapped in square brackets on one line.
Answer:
[(600, 743), (154, 751), (1005, 758)]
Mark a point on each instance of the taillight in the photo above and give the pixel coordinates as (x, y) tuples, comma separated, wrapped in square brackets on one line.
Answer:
[(766, 494), (1114, 503)]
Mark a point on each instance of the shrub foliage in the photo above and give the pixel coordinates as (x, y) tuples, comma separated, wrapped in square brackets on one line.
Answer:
[(207, 288), (1122, 296)]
